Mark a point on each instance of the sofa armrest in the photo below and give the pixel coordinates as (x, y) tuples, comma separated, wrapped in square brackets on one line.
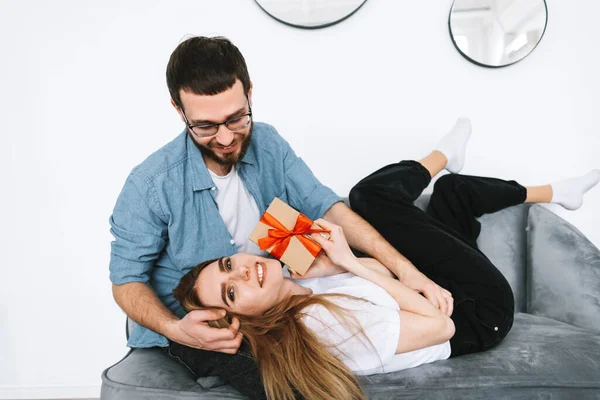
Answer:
[(563, 271)]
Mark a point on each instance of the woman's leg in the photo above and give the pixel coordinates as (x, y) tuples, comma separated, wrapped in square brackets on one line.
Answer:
[(483, 299), (385, 199), (484, 303), (457, 200)]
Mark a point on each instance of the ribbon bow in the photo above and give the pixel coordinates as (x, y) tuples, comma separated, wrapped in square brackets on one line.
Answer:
[(280, 236)]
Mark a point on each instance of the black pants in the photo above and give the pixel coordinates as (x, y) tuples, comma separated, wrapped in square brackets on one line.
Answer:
[(441, 242)]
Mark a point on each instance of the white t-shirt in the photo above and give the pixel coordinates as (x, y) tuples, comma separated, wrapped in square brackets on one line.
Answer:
[(238, 209), (379, 318)]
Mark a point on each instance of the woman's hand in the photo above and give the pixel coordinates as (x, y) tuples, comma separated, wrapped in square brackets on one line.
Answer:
[(437, 295), (336, 247)]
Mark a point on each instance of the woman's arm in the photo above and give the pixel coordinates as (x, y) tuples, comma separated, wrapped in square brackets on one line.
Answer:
[(323, 266), (423, 324), (375, 265)]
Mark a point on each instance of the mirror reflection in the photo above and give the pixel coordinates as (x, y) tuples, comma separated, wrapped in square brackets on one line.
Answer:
[(310, 14), (497, 33)]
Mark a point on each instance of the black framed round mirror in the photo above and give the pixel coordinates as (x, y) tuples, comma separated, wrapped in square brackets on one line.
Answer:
[(497, 33), (310, 14)]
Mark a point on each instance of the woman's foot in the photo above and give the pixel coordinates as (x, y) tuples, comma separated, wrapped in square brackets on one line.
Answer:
[(454, 145), (569, 192)]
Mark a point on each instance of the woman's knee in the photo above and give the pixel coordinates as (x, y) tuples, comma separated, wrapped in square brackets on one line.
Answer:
[(359, 197), (447, 183)]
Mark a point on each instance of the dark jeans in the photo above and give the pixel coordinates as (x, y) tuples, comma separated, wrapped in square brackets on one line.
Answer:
[(239, 370), (441, 242)]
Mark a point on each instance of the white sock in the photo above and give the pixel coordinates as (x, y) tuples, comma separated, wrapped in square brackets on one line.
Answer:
[(454, 144), (569, 192)]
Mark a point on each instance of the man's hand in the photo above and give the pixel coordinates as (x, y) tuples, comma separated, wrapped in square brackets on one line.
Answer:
[(194, 331), (437, 295), (322, 266)]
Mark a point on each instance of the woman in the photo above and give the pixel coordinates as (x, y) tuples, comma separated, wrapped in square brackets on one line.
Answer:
[(311, 336)]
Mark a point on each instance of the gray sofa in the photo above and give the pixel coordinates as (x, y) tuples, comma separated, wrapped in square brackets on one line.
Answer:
[(552, 351)]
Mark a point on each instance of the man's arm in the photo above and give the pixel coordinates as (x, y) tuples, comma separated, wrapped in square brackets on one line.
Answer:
[(362, 236), (140, 304), (140, 230)]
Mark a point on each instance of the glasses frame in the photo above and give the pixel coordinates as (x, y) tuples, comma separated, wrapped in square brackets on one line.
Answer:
[(217, 125)]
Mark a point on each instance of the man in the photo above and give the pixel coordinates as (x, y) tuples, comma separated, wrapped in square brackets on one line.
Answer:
[(200, 196)]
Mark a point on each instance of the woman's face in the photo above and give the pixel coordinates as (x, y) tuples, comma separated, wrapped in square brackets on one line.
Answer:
[(243, 283)]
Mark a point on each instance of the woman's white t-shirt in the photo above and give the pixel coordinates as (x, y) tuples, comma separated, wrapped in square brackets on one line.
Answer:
[(377, 314)]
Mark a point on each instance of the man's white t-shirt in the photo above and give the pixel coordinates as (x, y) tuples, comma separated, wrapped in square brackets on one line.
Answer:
[(377, 314), (238, 209)]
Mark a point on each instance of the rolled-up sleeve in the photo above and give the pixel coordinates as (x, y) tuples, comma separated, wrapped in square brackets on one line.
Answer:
[(140, 231), (305, 192)]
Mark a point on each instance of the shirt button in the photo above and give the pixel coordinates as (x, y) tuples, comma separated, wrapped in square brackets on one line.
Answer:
[(496, 328), (213, 188), (232, 241)]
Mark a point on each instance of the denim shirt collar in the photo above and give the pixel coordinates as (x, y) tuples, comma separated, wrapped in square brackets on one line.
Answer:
[(201, 179)]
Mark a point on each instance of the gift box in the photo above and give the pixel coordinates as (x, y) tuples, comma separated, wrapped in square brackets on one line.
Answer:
[(285, 234)]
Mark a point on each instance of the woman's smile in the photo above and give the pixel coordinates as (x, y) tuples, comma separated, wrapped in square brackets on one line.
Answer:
[(261, 269)]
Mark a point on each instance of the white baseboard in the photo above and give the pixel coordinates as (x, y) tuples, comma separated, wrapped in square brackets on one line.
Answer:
[(49, 392)]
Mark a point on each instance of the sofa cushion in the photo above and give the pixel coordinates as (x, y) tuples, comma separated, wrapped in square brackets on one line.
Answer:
[(151, 374), (538, 357), (564, 281)]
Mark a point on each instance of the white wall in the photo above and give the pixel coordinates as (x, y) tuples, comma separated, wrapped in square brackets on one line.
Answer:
[(83, 100)]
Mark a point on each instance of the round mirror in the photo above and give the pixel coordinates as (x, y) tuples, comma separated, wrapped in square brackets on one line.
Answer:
[(497, 33), (310, 14)]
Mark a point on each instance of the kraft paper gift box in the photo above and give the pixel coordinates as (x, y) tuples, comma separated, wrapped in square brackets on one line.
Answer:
[(285, 234)]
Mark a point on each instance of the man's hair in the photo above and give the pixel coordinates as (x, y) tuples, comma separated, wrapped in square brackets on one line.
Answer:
[(205, 66)]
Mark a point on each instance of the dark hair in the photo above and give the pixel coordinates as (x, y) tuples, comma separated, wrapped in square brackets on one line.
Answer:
[(205, 66)]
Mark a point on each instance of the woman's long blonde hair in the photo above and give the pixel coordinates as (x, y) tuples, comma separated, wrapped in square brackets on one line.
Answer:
[(291, 359)]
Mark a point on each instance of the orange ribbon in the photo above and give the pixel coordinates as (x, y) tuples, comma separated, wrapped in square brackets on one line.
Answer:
[(280, 236)]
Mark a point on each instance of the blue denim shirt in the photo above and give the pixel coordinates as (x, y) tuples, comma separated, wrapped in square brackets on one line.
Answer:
[(166, 219)]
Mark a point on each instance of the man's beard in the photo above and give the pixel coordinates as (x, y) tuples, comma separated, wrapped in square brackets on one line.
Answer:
[(230, 158)]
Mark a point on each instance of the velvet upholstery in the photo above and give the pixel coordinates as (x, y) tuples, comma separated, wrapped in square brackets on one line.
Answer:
[(564, 281), (554, 354)]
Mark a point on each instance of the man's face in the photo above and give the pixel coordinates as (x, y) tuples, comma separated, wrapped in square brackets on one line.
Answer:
[(226, 147)]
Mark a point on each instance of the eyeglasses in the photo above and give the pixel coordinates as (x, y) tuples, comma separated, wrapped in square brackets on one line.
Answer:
[(233, 124)]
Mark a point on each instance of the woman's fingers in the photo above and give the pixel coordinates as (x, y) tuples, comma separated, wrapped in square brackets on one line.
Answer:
[(445, 301), (430, 291), (450, 301), (336, 247), (324, 224), (450, 306), (442, 301)]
